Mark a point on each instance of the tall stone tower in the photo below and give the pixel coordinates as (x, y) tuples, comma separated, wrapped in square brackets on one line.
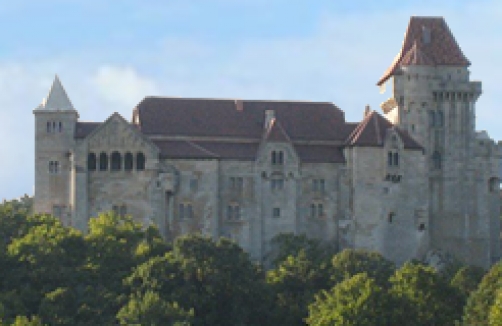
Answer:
[(432, 96), (55, 120)]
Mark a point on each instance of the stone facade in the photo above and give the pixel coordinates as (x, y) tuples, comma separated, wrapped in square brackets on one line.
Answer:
[(418, 179)]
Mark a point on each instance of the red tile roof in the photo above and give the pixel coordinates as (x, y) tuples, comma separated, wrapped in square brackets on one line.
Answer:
[(372, 130), (442, 48), (223, 118), (276, 133)]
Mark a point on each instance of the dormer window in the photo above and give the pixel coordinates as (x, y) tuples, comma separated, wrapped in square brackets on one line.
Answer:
[(277, 157), (393, 158)]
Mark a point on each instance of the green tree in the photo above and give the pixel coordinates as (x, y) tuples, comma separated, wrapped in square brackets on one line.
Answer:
[(467, 279), (115, 245), (356, 301), (426, 297), (495, 316), (350, 262), (479, 303), (150, 309), (288, 244), (215, 279), (294, 283)]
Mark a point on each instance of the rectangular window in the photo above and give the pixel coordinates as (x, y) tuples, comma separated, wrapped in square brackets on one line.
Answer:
[(318, 185), (53, 167), (233, 212), (276, 212), (194, 184), (236, 184), (57, 211), (185, 211)]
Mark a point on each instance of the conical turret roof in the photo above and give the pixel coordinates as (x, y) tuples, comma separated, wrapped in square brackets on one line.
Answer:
[(57, 98)]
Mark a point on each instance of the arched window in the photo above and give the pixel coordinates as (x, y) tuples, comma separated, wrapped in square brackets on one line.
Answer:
[(128, 161), (116, 161), (436, 160), (103, 162), (140, 161), (91, 162), (396, 159)]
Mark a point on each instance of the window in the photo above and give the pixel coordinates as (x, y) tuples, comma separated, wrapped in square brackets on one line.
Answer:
[(57, 211), (53, 167), (60, 126), (185, 211), (233, 212), (49, 127), (140, 161), (432, 118), (128, 161), (194, 184), (392, 158), (316, 210), (318, 185), (236, 184), (276, 212), (440, 119), (103, 162), (120, 210), (390, 217), (116, 161), (436, 160), (91, 162), (494, 185), (277, 184), (277, 157)]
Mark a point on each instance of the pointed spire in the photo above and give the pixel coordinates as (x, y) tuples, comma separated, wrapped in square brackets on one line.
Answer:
[(57, 98)]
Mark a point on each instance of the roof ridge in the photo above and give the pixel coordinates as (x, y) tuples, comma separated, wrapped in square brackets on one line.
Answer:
[(201, 148)]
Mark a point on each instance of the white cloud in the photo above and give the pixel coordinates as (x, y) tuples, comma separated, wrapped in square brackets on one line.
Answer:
[(123, 85)]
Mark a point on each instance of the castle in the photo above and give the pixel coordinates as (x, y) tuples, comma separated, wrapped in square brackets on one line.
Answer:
[(417, 178)]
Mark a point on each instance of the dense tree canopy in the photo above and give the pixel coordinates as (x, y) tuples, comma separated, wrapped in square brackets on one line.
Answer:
[(121, 272)]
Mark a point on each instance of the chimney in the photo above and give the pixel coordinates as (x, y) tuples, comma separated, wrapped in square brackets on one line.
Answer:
[(367, 110), (269, 116), (239, 106)]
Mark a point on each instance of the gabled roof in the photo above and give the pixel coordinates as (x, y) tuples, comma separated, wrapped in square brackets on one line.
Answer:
[(224, 118), (57, 98), (441, 48), (275, 132), (372, 130), (82, 129)]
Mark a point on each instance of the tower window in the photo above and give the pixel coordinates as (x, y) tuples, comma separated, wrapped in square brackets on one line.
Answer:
[(396, 159), (53, 167), (49, 127), (236, 184), (128, 161), (91, 162), (316, 210), (60, 126), (494, 185), (116, 161), (390, 217), (389, 159), (140, 161), (103, 162), (276, 212)]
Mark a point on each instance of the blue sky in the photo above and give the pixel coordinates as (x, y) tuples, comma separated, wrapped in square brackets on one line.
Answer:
[(110, 54)]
